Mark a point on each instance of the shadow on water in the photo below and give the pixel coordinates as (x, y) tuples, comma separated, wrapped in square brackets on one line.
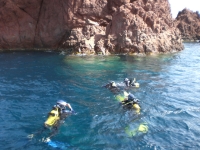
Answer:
[(32, 82)]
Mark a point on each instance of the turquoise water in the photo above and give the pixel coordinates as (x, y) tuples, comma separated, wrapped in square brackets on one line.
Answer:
[(32, 82)]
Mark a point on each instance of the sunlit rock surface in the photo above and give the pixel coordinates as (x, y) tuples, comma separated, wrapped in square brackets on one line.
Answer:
[(188, 22), (89, 26)]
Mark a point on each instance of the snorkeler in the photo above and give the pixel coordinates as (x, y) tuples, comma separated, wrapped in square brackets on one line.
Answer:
[(112, 86), (131, 82), (55, 118), (130, 101)]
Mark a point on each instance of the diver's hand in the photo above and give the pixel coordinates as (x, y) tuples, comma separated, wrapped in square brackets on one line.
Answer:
[(73, 112)]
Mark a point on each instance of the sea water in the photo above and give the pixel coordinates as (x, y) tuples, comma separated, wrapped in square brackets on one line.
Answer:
[(169, 92)]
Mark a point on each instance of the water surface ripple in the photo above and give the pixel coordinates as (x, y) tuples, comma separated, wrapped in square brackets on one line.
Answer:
[(31, 82)]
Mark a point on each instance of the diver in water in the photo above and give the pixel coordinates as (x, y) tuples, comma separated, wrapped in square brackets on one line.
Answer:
[(131, 82), (58, 114), (112, 86), (130, 101), (55, 118)]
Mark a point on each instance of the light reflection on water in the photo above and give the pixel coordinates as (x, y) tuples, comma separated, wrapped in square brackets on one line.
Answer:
[(31, 82)]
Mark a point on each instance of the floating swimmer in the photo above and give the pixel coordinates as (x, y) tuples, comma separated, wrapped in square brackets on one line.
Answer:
[(58, 112), (129, 101), (131, 82), (112, 86), (55, 118)]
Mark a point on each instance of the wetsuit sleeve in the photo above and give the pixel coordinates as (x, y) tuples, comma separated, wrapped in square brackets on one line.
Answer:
[(67, 112), (69, 106)]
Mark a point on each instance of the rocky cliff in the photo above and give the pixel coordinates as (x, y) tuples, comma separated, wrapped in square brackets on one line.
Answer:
[(188, 22), (89, 26)]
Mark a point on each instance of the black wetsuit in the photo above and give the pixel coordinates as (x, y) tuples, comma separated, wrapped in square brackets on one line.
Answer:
[(129, 83), (113, 89), (128, 103)]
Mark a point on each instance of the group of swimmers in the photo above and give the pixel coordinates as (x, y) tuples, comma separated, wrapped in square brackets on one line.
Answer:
[(128, 100), (61, 110)]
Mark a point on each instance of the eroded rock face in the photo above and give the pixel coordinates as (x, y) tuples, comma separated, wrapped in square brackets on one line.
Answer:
[(89, 26), (188, 22), (18, 20), (144, 27)]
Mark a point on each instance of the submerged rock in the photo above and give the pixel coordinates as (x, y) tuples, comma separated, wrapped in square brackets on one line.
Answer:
[(89, 26)]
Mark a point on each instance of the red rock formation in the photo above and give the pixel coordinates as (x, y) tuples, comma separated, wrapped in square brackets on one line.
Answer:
[(89, 26), (144, 26), (18, 21), (188, 22)]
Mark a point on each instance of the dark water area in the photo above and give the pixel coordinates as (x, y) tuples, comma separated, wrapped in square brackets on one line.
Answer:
[(32, 82)]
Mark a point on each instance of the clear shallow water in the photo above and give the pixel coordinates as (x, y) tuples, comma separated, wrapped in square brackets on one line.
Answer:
[(31, 83)]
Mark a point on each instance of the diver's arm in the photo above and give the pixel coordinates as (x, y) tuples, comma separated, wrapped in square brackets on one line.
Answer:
[(69, 106), (125, 100), (67, 112)]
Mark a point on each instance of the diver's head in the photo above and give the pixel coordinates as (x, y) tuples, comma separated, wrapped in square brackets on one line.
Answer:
[(113, 84), (126, 79), (131, 96), (62, 104)]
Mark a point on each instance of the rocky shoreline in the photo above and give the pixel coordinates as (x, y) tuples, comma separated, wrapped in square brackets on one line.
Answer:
[(90, 27)]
